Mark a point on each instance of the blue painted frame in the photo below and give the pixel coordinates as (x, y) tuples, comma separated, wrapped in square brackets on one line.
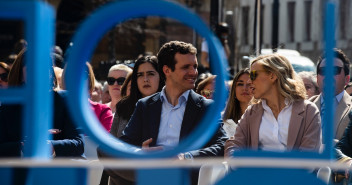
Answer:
[(328, 117), (37, 101), (38, 19), (84, 42)]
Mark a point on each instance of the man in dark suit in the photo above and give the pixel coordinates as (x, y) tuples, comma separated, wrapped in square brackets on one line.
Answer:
[(165, 118)]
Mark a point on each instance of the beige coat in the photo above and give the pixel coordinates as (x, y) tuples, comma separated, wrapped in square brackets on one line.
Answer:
[(304, 133), (341, 119)]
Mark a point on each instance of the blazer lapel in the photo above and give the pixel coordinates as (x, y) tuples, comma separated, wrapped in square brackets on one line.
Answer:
[(255, 119), (341, 111), (154, 117), (192, 111), (295, 123), (317, 102)]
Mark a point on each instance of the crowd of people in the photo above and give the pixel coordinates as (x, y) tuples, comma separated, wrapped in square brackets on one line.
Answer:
[(161, 100)]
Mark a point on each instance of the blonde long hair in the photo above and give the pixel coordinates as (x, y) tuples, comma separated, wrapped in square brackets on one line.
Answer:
[(289, 84)]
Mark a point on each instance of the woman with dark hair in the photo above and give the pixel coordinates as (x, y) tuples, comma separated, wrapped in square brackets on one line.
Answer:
[(240, 96), (145, 81)]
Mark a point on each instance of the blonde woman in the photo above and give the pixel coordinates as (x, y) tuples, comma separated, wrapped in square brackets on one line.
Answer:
[(279, 119), (116, 76)]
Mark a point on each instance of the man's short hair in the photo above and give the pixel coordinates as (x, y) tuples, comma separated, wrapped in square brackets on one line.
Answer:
[(338, 53), (166, 54)]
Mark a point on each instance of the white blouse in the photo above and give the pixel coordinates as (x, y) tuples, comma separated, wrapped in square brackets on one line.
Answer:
[(229, 127), (273, 132)]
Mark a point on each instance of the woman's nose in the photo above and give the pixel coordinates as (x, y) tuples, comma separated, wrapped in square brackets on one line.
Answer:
[(247, 85)]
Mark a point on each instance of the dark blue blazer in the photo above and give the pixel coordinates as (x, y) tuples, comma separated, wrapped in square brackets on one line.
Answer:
[(145, 122), (68, 143), (343, 148)]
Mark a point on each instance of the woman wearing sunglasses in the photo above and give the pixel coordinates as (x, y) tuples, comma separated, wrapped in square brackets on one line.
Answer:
[(116, 76), (280, 119), (206, 87), (145, 81)]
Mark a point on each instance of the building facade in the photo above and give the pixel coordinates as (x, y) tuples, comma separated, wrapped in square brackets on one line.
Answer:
[(301, 26)]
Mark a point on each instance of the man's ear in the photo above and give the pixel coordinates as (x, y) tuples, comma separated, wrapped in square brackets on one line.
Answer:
[(166, 70), (347, 79)]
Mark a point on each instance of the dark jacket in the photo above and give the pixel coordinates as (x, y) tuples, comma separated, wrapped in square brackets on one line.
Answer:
[(68, 143), (344, 146), (145, 122)]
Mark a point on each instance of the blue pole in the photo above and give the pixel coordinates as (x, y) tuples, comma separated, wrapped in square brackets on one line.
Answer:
[(329, 90)]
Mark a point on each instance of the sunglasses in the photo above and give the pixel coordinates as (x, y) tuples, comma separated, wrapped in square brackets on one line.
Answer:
[(3, 77), (254, 74), (112, 80), (207, 93), (322, 70)]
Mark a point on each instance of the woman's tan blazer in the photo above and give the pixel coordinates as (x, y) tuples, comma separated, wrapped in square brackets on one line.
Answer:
[(304, 133)]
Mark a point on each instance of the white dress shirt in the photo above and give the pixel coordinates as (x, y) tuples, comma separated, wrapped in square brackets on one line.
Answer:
[(336, 100), (273, 132), (230, 127)]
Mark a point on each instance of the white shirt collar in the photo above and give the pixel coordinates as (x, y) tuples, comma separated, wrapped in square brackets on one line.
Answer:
[(338, 97), (266, 107)]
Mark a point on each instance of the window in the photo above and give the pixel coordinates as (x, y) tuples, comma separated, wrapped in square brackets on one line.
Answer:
[(343, 10), (291, 6), (245, 25), (308, 20), (262, 23)]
